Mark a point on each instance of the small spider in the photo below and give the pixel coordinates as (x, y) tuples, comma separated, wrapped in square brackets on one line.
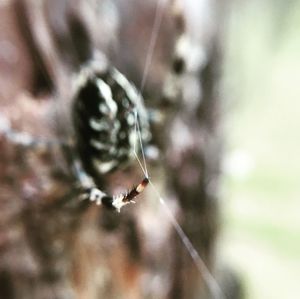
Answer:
[(105, 112), (104, 119)]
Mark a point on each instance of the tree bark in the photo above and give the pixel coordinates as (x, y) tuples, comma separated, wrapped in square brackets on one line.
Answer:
[(53, 245)]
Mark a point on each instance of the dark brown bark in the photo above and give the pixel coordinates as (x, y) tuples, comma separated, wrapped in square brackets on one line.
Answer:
[(51, 244)]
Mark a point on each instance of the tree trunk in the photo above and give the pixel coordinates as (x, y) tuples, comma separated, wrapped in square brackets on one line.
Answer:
[(52, 244)]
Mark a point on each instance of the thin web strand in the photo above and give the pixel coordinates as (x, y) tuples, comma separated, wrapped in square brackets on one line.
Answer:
[(142, 148), (138, 138), (140, 163), (135, 129), (160, 8), (210, 281)]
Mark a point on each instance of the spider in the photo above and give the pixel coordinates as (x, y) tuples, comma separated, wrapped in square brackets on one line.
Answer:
[(105, 112), (105, 109)]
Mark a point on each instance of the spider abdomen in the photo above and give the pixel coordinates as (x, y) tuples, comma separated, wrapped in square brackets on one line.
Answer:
[(104, 120)]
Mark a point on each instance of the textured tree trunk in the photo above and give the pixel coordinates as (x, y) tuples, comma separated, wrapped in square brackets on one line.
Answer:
[(52, 245)]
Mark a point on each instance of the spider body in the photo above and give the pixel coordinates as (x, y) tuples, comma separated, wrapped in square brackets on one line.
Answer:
[(104, 119), (105, 112)]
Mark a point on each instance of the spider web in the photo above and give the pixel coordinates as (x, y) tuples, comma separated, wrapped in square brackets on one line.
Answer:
[(207, 276)]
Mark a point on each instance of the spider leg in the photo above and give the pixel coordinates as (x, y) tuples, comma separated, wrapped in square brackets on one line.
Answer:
[(134, 192), (115, 202), (118, 201), (93, 193)]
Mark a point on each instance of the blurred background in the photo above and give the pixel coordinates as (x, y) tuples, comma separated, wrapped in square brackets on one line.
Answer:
[(261, 84)]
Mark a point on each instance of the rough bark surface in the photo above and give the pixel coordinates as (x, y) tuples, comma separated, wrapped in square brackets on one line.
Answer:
[(51, 244)]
